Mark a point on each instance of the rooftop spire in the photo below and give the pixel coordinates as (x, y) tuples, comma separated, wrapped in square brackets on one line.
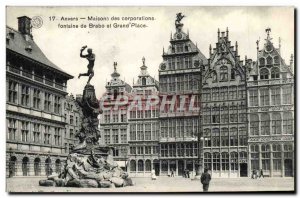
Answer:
[(178, 25), (218, 33), (227, 33), (236, 48), (115, 73), (143, 67), (268, 30)]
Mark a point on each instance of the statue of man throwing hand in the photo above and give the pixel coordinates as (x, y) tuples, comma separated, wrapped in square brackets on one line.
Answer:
[(91, 58)]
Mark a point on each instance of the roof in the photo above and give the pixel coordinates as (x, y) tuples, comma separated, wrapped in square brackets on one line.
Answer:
[(18, 44)]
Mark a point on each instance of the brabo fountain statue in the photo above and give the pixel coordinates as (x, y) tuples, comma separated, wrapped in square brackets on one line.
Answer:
[(89, 164)]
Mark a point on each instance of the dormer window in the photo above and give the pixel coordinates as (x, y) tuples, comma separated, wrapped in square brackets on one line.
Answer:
[(143, 81), (262, 61), (223, 73), (232, 74), (269, 60), (28, 48), (276, 60), (186, 48)]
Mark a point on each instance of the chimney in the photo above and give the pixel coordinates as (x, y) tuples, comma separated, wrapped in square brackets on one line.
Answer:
[(24, 25)]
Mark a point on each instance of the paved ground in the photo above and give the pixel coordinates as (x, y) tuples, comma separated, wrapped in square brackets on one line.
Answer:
[(162, 184)]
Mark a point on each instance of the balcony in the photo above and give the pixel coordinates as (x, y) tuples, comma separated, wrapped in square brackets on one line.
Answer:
[(37, 78)]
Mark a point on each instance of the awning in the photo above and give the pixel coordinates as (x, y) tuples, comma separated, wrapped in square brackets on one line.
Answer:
[(121, 163)]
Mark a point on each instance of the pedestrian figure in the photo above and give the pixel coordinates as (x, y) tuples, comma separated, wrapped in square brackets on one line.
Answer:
[(172, 172), (188, 173), (261, 173), (205, 179), (254, 174), (153, 176), (184, 173)]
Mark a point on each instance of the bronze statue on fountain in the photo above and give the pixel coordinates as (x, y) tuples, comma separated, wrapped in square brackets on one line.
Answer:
[(89, 164)]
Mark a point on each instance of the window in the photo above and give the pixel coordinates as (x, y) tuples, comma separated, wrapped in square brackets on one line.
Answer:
[(224, 137), (47, 102), (47, 135), (264, 74), (207, 161), (265, 155), (232, 93), (123, 117), (233, 114), (57, 136), (215, 115), (223, 93), (253, 96), (276, 59), (225, 161), (207, 138), (123, 136), (13, 92), (36, 133), (233, 137), (276, 123), (57, 104), (215, 94), (25, 131), (265, 124), (216, 161), (115, 135), (234, 161), (254, 154), (143, 81), (71, 119), (232, 74), (264, 97), (71, 134), (25, 95), (288, 151), (107, 136), (206, 95), (254, 124), (262, 61), (216, 137), (147, 131), (276, 157), (36, 99), (132, 166), (132, 132), (243, 136), (287, 95), (224, 114), (179, 47), (12, 128), (287, 123), (223, 73), (140, 132), (275, 73), (275, 96), (269, 60)]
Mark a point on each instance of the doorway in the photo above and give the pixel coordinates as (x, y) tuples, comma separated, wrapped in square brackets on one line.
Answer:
[(180, 167), (288, 168), (243, 170)]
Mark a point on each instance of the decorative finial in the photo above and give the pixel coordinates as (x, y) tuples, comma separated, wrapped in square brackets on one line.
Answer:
[(279, 41), (209, 49), (218, 33), (227, 32), (268, 30), (143, 59), (236, 47), (115, 66), (257, 44)]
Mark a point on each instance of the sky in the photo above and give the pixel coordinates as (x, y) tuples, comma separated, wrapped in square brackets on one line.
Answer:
[(127, 46)]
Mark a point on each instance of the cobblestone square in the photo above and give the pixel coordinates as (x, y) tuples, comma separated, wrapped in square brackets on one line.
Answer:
[(162, 184)]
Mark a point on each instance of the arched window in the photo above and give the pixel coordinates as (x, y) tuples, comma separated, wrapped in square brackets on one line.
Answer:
[(276, 152), (276, 123), (207, 138), (57, 166), (254, 155), (37, 167), (275, 73), (264, 97), (264, 74), (132, 165), (48, 166), (254, 124), (287, 123), (25, 166), (148, 165), (265, 124), (234, 160), (115, 94), (140, 165), (216, 161), (269, 60), (223, 73), (143, 81), (262, 61), (275, 96), (288, 151), (225, 161), (12, 168), (207, 161)]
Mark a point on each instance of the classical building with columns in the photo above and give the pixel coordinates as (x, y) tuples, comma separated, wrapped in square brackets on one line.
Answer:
[(144, 125), (114, 126), (271, 131), (35, 90), (178, 87)]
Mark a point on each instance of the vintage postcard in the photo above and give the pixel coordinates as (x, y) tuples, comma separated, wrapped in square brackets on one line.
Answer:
[(150, 99)]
